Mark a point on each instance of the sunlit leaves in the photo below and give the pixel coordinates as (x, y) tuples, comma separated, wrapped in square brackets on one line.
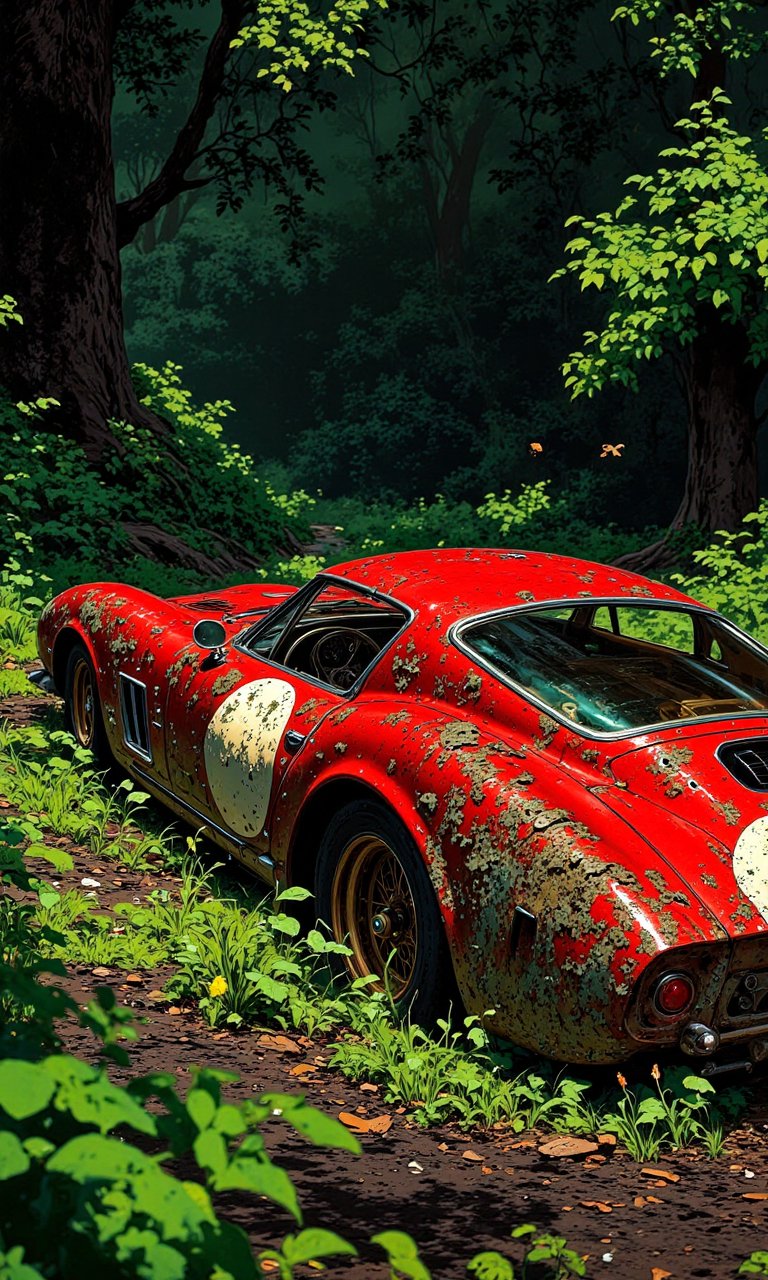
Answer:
[(694, 235), (296, 37)]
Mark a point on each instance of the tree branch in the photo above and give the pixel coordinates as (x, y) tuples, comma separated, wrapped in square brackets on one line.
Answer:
[(171, 180)]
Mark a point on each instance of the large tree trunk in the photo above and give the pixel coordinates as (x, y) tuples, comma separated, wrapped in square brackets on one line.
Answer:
[(722, 482), (58, 244)]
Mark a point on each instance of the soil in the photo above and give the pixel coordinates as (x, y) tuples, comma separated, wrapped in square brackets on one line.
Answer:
[(455, 1193)]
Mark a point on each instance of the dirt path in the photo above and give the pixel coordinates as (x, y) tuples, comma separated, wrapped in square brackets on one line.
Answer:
[(455, 1193)]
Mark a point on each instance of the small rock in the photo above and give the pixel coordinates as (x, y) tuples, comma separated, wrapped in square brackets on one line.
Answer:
[(565, 1145)]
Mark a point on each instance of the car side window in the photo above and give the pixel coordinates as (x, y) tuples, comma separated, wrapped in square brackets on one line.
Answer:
[(333, 635)]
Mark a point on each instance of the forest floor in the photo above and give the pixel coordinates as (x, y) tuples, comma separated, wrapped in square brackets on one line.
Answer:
[(456, 1193)]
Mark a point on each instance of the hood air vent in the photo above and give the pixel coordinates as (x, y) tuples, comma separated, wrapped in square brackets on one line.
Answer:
[(747, 762), (206, 606)]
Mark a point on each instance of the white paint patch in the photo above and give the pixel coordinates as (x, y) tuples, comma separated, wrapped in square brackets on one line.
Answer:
[(241, 743), (750, 864)]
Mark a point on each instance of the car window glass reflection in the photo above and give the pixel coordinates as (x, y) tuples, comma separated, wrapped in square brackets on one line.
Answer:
[(624, 667)]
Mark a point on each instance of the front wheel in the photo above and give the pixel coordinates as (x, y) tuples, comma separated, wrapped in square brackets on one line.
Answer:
[(372, 888), (83, 706)]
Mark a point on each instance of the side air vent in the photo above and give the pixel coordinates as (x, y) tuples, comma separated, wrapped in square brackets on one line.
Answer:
[(206, 606), (133, 704), (747, 762)]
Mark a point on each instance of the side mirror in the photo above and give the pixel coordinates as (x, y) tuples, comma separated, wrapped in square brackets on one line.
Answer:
[(209, 634)]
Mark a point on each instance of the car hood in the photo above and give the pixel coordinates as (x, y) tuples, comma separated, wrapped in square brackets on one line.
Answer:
[(689, 800)]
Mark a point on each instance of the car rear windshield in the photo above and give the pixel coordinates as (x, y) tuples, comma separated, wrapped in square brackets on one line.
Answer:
[(613, 667)]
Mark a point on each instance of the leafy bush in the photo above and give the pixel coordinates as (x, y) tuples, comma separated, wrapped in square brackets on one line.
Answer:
[(736, 581)]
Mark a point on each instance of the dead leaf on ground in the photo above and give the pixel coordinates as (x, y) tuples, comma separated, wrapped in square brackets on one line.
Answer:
[(567, 1208), (607, 1139), (654, 1200), (443, 1146), (565, 1145), (470, 1155), (135, 979), (658, 1273), (379, 1124), (755, 1195), (597, 1204), (221, 1035), (661, 1173), (281, 1043), (174, 1010), (639, 1202), (369, 1088), (303, 1069)]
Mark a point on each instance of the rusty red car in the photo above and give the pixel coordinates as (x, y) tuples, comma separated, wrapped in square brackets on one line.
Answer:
[(542, 778)]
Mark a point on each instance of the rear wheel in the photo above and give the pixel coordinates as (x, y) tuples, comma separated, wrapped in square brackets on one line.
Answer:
[(83, 707), (372, 888)]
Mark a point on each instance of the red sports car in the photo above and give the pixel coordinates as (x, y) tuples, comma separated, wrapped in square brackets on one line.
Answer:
[(547, 777)]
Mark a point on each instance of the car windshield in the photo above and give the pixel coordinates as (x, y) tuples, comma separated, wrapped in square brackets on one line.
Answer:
[(613, 667)]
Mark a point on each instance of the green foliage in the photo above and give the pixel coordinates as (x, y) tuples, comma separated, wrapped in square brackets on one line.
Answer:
[(73, 518), (717, 24), (539, 1247), (696, 237), (312, 37), (756, 1264), (736, 578), (673, 1116)]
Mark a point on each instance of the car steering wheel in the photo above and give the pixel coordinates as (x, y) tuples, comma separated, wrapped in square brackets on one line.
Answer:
[(340, 657)]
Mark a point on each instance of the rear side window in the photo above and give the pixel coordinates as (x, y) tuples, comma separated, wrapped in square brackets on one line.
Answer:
[(614, 667)]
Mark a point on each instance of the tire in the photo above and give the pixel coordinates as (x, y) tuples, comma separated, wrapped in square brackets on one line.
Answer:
[(83, 713), (373, 890)]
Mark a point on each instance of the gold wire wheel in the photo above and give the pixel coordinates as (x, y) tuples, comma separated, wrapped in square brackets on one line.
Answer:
[(372, 909), (83, 704)]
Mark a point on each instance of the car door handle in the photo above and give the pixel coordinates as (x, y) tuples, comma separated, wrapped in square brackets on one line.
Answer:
[(293, 741)]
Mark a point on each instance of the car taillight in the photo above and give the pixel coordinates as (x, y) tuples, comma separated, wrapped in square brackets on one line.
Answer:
[(673, 995)]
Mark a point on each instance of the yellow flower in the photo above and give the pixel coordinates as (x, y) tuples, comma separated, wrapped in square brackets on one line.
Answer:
[(655, 1072), (217, 987), (621, 1079)]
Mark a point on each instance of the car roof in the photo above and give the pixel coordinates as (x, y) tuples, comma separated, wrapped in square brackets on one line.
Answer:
[(462, 582)]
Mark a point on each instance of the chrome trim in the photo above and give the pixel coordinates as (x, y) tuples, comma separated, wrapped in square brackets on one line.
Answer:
[(454, 635), (263, 858), (323, 579), (133, 746)]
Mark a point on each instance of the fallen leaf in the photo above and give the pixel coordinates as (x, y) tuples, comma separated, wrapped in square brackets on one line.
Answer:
[(485, 1169), (303, 1069), (380, 1124), (174, 1010), (567, 1208), (354, 1122), (369, 1088), (639, 1202), (221, 1035), (661, 1173), (658, 1273), (101, 972), (470, 1155), (755, 1195), (598, 1159), (597, 1204), (443, 1146), (399, 1111), (607, 1139), (565, 1145), (654, 1200), (135, 979), (281, 1043), (269, 1264)]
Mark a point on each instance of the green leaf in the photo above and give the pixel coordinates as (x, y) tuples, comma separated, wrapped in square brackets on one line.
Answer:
[(25, 1088), (762, 249), (249, 1173), (13, 1266), (201, 1107), (321, 1129), (402, 1254), (314, 1243), (211, 1151), (59, 858), (491, 1266), (13, 1158)]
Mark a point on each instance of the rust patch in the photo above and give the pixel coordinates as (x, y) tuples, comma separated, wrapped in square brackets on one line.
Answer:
[(428, 801), (391, 767), (667, 765), (225, 683), (548, 728), (397, 717), (729, 812), (340, 748), (459, 734)]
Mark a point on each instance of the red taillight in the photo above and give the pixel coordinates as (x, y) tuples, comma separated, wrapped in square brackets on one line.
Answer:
[(673, 994)]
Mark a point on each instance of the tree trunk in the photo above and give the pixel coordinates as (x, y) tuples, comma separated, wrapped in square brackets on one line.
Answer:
[(722, 482), (58, 243)]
